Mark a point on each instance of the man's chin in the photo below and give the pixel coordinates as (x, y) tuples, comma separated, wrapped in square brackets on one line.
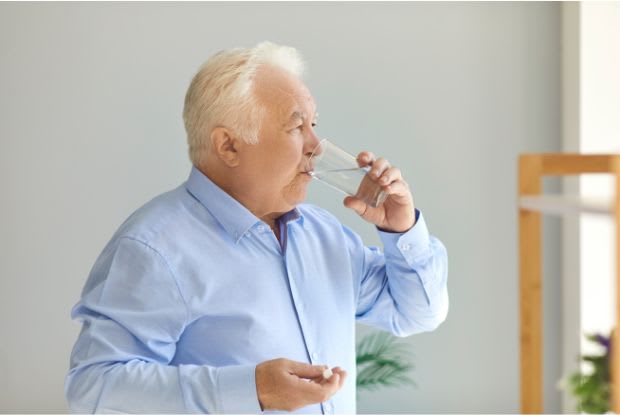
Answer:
[(296, 198), (293, 202)]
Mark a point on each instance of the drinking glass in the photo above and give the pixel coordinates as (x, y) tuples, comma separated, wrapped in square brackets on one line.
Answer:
[(332, 165)]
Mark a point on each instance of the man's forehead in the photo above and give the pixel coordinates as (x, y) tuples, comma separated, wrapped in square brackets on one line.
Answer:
[(296, 101), (294, 108), (287, 96)]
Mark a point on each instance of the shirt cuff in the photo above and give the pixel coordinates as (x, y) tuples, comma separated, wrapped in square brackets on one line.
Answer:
[(237, 390), (413, 245)]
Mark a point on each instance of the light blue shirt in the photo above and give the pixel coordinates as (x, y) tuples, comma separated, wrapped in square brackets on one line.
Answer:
[(193, 291)]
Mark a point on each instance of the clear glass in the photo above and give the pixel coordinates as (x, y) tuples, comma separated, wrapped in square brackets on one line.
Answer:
[(339, 169)]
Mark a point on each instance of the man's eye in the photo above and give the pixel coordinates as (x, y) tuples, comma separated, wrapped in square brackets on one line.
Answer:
[(301, 126)]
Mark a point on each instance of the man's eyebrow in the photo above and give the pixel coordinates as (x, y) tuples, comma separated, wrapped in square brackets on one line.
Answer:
[(296, 115)]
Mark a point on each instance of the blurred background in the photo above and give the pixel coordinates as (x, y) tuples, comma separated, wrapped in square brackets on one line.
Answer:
[(91, 96)]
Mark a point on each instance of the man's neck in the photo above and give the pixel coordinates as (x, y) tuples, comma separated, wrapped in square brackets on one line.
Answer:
[(270, 218), (275, 228)]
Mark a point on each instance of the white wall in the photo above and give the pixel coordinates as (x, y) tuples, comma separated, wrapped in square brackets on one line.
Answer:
[(599, 133), (90, 104), (591, 99)]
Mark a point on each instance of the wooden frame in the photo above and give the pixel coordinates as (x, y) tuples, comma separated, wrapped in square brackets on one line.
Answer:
[(532, 168)]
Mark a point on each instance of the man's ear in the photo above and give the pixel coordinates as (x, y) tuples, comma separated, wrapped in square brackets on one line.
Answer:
[(225, 146)]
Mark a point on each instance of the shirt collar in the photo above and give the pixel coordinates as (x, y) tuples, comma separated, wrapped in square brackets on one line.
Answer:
[(235, 218)]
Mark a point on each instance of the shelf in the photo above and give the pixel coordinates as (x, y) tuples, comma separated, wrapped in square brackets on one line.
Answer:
[(532, 169), (567, 204)]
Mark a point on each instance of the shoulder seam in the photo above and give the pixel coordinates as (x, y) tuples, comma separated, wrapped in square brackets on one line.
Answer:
[(174, 278)]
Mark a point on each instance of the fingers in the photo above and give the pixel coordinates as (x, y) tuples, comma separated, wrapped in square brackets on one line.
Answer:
[(379, 166), (342, 373), (357, 205), (390, 175), (283, 384), (398, 188), (315, 392), (365, 158), (320, 389), (334, 383), (304, 370)]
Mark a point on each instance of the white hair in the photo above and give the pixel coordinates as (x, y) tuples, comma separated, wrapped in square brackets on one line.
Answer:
[(222, 94)]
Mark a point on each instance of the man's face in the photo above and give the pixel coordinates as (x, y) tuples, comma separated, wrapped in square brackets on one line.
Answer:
[(275, 167)]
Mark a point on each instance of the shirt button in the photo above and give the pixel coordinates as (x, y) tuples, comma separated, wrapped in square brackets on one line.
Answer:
[(405, 247), (315, 356)]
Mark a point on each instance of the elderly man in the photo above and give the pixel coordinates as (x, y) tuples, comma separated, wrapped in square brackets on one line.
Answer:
[(228, 294)]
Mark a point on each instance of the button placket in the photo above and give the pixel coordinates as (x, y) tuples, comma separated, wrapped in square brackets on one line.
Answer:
[(298, 304)]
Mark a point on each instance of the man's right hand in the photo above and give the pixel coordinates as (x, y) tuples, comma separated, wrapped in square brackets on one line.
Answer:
[(287, 385)]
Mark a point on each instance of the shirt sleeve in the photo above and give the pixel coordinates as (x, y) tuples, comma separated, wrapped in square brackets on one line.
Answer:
[(133, 313), (404, 290)]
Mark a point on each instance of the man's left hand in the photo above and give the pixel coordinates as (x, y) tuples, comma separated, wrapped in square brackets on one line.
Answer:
[(397, 213)]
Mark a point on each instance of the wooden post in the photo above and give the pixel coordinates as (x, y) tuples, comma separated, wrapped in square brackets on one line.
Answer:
[(530, 288), (532, 167)]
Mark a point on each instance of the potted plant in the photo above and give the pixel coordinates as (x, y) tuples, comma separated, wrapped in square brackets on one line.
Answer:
[(382, 362), (592, 389)]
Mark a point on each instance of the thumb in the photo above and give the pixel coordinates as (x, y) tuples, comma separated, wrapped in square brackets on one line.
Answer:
[(304, 370), (357, 205)]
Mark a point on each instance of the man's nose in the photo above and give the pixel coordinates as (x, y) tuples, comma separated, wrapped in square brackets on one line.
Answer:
[(312, 146)]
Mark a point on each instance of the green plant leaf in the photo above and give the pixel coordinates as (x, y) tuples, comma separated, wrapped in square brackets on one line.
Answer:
[(382, 362), (593, 390)]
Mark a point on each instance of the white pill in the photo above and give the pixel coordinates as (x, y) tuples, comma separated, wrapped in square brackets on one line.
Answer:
[(327, 373)]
